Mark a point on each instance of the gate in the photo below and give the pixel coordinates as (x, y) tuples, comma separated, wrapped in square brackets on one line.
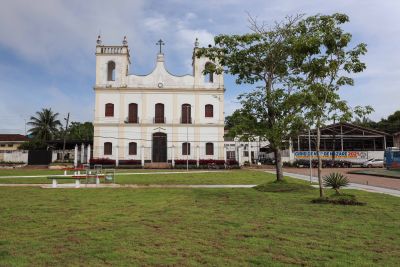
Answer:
[(39, 157)]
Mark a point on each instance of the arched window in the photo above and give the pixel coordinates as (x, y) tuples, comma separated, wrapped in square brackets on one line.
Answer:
[(209, 111), (132, 148), (186, 114), (107, 148), (185, 148), (111, 71), (209, 77), (133, 113), (109, 110), (159, 113), (209, 149)]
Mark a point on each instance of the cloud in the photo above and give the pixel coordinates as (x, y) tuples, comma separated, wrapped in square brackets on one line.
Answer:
[(47, 46)]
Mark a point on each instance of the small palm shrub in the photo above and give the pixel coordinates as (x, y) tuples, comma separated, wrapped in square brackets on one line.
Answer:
[(336, 180)]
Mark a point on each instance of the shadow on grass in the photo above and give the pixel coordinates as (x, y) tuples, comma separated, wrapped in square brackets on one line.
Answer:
[(283, 186), (342, 199)]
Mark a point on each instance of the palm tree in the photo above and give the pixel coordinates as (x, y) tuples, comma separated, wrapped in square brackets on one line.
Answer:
[(44, 125)]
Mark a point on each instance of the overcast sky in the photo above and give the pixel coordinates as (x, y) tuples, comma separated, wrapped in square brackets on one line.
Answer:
[(47, 47)]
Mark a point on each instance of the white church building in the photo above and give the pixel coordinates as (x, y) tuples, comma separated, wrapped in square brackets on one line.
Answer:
[(157, 118)]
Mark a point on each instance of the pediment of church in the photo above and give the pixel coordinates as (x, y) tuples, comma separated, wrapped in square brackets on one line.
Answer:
[(160, 77)]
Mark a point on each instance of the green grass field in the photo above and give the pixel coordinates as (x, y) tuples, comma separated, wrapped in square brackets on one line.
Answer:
[(191, 227), (219, 177), (45, 172)]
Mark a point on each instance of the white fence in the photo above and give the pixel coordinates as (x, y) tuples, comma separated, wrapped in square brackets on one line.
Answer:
[(14, 156)]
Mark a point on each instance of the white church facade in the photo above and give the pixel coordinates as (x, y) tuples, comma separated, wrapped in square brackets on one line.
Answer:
[(157, 118)]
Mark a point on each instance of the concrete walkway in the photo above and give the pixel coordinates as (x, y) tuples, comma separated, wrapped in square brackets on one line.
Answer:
[(133, 186), (368, 188)]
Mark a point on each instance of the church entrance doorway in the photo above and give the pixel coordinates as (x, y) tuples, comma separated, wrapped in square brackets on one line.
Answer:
[(159, 147)]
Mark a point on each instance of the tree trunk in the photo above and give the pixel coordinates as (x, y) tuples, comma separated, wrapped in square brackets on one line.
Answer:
[(278, 164), (321, 192)]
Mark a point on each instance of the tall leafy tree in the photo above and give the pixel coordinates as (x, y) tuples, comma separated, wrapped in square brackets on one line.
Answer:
[(80, 131), (325, 64), (263, 58), (242, 125), (44, 124)]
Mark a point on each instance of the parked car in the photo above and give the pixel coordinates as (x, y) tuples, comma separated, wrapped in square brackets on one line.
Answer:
[(373, 163)]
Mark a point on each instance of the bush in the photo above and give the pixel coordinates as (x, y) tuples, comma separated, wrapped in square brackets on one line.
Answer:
[(336, 180), (344, 199), (129, 162), (183, 162), (211, 161), (102, 161), (232, 162)]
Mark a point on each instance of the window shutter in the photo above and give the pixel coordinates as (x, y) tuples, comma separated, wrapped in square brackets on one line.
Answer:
[(186, 149), (107, 148), (209, 111), (133, 113), (109, 111), (186, 113), (209, 149), (159, 113), (132, 148)]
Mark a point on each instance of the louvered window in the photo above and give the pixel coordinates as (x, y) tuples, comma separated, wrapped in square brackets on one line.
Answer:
[(209, 149), (109, 112), (209, 111), (107, 148)]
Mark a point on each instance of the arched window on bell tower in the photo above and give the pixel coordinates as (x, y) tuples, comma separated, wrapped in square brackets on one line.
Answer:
[(111, 71), (209, 77)]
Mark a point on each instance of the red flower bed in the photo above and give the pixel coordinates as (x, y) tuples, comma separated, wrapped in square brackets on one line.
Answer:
[(103, 161), (130, 162), (211, 161), (183, 162)]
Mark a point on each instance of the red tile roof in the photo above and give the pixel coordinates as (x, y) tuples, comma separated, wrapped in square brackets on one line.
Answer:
[(13, 138)]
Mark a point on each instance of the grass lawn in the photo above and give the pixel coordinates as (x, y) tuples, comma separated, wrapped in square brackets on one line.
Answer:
[(219, 177), (45, 172), (190, 227), (379, 172)]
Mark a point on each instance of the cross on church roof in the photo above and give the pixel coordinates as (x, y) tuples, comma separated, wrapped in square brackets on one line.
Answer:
[(160, 43)]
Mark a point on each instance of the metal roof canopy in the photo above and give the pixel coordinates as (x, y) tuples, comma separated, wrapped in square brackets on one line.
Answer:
[(344, 135)]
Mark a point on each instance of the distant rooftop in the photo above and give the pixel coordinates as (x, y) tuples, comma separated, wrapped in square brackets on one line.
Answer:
[(13, 138)]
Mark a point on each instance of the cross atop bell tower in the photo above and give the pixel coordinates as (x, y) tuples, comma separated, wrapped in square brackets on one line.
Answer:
[(160, 43)]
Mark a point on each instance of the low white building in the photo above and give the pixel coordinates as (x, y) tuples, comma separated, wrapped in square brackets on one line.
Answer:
[(159, 117)]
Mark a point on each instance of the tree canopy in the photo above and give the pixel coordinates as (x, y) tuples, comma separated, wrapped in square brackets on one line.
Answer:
[(44, 125)]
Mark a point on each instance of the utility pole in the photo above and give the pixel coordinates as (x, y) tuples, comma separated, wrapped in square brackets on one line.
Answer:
[(65, 135)]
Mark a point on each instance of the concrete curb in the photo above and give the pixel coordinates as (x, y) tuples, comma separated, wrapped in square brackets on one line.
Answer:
[(368, 188)]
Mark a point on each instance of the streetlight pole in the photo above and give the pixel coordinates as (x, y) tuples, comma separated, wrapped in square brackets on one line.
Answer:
[(65, 134)]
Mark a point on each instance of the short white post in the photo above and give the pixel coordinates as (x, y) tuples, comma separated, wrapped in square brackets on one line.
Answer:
[(54, 183), (173, 156), (77, 183), (197, 156), (142, 155), (97, 180), (240, 155), (65, 172), (76, 156), (82, 153), (116, 156), (225, 154)]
